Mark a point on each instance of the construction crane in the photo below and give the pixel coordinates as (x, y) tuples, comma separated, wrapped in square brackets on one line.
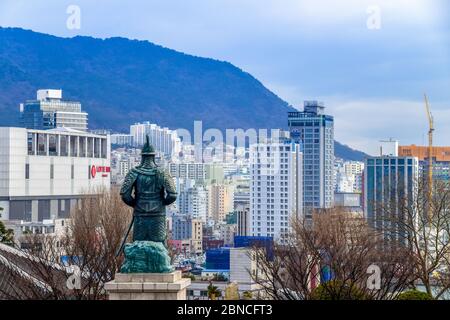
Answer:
[(430, 154)]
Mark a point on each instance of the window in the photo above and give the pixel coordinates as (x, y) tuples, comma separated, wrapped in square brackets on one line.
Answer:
[(27, 171), (53, 145), (63, 146), (96, 147), (82, 147), (42, 144), (74, 147), (52, 171), (72, 172), (31, 143), (104, 149), (90, 147)]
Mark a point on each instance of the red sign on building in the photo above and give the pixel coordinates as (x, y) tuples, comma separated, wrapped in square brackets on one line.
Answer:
[(101, 169)]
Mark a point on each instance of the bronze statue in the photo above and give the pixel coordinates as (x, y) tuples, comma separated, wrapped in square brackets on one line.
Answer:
[(154, 189)]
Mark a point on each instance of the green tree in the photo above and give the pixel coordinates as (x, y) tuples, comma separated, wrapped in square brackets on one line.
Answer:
[(415, 295), (6, 235), (247, 295), (213, 292), (338, 290)]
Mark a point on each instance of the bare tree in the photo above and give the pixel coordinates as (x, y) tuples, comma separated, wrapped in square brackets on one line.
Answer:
[(77, 264), (421, 221), (340, 242)]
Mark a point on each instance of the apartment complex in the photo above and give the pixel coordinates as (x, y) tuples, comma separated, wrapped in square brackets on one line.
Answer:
[(195, 171), (164, 140)]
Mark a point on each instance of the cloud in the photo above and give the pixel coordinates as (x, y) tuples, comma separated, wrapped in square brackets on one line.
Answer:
[(371, 81), (361, 124)]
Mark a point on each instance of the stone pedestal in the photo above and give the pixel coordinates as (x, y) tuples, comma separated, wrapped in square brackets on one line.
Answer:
[(148, 286)]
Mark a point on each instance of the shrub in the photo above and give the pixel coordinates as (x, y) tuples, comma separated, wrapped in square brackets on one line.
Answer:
[(338, 290), (414, 295)]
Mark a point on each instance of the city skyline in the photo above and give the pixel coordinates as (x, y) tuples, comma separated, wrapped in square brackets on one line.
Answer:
[(372, 80), (214, 150)]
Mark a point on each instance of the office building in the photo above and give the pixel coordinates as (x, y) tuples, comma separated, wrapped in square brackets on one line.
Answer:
[(44, 172), (314, 131), (49, 111), (388, 181), (276, 187)]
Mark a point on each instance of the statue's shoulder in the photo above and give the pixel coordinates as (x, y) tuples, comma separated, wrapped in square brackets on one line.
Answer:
[(133, 171)]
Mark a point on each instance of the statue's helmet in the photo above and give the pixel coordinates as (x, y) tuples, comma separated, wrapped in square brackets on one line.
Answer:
[(148, 149)]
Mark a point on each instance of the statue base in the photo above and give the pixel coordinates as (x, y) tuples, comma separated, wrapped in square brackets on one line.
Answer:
[(146, 257), (148, 286)]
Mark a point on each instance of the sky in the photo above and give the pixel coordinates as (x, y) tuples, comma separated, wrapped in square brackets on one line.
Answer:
[(369, 61)]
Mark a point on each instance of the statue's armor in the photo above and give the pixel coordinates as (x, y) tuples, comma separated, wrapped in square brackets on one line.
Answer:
[(149, 187), (153, 190)]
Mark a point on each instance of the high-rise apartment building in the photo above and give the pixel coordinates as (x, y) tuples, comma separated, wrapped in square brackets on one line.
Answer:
[(164, 140), (276, 187), (220, 201), (49, 111), (388, 182), (195, 171), (192, 199), (121, 139), (314, 131)]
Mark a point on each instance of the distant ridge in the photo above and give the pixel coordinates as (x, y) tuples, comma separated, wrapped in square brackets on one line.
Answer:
[(121, 81)]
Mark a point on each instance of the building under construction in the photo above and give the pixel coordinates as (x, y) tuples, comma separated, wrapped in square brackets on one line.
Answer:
[(440, 160)]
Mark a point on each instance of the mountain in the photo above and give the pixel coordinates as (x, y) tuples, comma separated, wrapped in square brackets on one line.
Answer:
[(347, 153), (121, 81)]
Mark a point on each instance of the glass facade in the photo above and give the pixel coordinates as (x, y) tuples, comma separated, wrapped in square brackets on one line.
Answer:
[(388, 180), (314, 131), (53, 113)]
